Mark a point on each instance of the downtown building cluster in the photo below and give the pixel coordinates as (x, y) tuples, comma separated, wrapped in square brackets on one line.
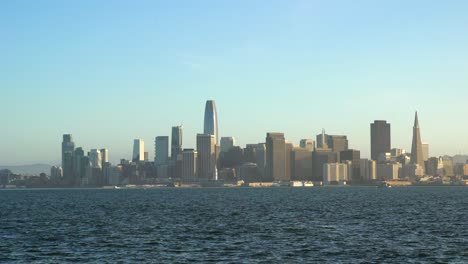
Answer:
[(325, 160)]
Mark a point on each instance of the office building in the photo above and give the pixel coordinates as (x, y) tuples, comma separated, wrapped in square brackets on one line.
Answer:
[(138, 150), (368, 170), (161, 152), (206, 164), (260, 154), (336, 143), (287, 159), (227, 143), (388, 171), (334, 173), (189, 165), (95, 158), (104, 156), (68, 147), (425, 147), (176, 142), (319, 158), (354, 156), (211, 120), (301, 164), (276, 157), (380, 138), (416, 148), (307, 143)]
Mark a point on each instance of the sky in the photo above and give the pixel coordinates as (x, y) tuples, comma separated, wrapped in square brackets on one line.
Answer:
[(108, 72)]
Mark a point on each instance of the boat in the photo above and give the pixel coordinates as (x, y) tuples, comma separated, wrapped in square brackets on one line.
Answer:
[(384, 185)]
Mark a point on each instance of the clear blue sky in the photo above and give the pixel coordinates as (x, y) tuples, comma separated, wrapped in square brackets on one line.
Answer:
[(111, 71)]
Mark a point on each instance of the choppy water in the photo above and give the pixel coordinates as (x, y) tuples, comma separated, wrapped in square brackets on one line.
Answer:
[(398, 225)]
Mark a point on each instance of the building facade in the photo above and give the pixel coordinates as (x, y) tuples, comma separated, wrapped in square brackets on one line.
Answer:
[(211, 120), (276, 157), (206, 164), (138, 150), (380, 138)]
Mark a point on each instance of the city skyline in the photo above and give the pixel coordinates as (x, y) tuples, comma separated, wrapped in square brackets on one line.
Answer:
[(175, 129), (138, 69)]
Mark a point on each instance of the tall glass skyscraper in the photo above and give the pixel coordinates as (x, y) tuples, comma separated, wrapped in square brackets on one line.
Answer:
[(211, 120), (138, 150), (68, 147), (176, 142), (380, 138)]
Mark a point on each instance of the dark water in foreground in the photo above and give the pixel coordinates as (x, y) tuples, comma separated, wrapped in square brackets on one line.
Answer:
[(398, 225)]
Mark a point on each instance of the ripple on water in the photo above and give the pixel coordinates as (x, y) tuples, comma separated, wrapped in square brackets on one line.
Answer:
[(401, 225)]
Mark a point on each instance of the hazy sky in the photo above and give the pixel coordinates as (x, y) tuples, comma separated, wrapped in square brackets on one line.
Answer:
[(111, 71)]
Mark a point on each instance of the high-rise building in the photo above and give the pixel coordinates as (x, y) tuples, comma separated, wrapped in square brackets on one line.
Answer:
[(161, 152), (227, 143), (425, 147), (335, 173), (336, 143), (301, 164), (275, 157), (322, 140), (368, 170), (380, 138), (416, 148), (206, 159), (78, 166), (319, 158), (104, 156), (176, 142), (68, 147), (260, 154), (211, 120), (355, 157), (146, 155), (287, 158), (388, 171), (189, 165), (250, 153), (95, 158), (307, 143), (138, 150)]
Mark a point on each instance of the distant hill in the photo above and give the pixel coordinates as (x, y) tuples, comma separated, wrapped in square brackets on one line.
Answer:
[(34, 169)]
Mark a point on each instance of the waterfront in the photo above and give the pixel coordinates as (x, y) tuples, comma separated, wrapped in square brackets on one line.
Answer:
[(355, 224)]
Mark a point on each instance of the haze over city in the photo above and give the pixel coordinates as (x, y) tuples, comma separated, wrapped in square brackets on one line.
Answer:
[(111, 73)]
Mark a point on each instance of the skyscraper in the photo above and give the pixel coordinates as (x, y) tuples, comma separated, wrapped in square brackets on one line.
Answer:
[(320, 157), (275, 157), (355, 157), (322, 142), (95, 158), (189, 164), (104, 156), (138, 150), (68, 147), (176, 142), (260, 154), (161, 152), (425, 147), (301, 164), (380, 138), (227, 143), (211, 120), (78, 166), (307, 143), (206, 159), (417, 156)]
